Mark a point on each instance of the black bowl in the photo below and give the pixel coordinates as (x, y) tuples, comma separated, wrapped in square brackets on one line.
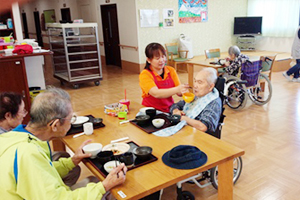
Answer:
[(142, 152), (175, 119), (142, 119), (151, 113), (96, 121), (105, 156)]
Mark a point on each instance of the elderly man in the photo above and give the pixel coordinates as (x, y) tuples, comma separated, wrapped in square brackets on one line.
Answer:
[(207, 106), (27, 170)]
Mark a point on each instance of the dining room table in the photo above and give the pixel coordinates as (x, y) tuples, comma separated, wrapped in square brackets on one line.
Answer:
[(155, 176)]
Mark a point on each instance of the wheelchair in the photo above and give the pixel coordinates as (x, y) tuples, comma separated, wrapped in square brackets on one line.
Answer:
[(252, 82), (211, 175)]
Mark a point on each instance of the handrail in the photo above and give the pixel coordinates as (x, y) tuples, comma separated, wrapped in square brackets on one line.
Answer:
[(126, 46)]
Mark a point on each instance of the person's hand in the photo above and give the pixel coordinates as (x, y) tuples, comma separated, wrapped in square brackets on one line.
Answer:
[(79, 155), (178, 112), (183, 88), (116, 177), (227, 64)]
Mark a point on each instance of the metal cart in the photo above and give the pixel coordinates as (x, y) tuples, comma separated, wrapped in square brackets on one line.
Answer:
[(76, 57)]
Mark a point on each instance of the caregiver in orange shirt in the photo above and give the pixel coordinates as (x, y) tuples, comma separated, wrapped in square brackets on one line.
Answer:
[(159, 82)]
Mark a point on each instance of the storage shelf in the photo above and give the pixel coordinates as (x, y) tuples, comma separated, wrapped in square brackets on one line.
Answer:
[(80, 53), (81, 44), (77, 57), (81, 36)]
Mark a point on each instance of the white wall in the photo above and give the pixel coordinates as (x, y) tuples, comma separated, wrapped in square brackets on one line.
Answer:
[(217, 32), (279, 44), (126, 11), (42, 5)]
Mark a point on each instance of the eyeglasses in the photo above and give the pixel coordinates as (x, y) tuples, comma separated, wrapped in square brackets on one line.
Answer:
[(72, 120), (24, 112)]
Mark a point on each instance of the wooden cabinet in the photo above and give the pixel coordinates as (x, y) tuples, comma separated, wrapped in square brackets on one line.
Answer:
[(13, 79)]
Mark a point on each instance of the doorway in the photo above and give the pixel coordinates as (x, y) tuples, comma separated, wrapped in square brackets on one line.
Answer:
[(25, 26), (37, 23), (65, 14), (111, 34)]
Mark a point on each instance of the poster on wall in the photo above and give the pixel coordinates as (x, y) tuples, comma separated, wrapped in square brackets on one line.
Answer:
[(149, 18), (168, 15), (190, 11)]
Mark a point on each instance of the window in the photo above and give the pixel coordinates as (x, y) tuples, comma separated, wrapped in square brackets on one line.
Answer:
[(279, 17)]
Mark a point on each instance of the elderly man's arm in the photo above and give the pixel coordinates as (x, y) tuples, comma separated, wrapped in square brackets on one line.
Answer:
[(208, 119), (177, 107)]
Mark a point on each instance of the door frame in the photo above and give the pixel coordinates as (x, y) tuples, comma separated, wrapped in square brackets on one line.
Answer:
[(117, 57), (38, 29)]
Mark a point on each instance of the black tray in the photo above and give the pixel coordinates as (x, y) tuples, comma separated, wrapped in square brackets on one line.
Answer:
[(137, 162), (149, 128), (79, 129)]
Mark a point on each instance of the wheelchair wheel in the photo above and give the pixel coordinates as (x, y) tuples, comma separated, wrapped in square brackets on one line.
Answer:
[(262, 92), (236, 95), (237, 170), (186, 195)]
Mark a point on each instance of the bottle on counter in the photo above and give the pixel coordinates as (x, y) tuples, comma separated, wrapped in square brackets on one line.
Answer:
[(9, 23)]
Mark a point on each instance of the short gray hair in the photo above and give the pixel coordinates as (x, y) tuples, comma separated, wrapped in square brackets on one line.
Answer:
[(234, 50), (54, 103), (212, 75)]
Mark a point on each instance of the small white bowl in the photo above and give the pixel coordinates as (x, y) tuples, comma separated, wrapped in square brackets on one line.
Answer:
[(143, 110), (111, 165), (8, 51), (158, 122), (93, 148)]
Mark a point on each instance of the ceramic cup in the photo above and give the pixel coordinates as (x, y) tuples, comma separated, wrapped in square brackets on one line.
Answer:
[(88, 128), (122, 116), (125, 102)]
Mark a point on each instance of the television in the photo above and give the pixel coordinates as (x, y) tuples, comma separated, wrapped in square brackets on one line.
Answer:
[(247, 25)]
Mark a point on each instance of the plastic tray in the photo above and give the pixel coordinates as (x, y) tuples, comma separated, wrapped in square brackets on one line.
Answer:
[(149, 128), (79, 129), (137, 162)]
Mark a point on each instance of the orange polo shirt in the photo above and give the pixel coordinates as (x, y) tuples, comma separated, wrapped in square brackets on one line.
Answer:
[(147, 80)]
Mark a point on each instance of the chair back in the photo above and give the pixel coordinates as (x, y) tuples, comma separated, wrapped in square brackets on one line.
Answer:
[(220, 85), (172, 48), (267, 62), (212, 53)]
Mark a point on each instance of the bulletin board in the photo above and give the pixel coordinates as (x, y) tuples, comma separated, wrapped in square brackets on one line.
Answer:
[(168, 18), (190, 11), (149, 18), (49, 16)]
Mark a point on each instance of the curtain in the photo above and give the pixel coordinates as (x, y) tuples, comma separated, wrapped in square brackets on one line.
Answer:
[(280, 17)]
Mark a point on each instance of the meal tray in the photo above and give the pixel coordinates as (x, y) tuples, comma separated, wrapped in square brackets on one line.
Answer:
[(149, 128), (137, 162), (79, 129)]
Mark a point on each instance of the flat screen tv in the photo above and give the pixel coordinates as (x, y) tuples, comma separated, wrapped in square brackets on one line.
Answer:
[(247, 25)]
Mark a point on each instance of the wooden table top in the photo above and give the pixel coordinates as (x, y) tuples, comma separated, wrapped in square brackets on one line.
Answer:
[(154, 176)]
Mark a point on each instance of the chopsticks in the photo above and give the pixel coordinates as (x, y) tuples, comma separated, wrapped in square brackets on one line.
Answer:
[(117, 159), (119, 140)]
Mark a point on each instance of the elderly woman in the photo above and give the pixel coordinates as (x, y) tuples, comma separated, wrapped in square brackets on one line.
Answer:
[(158, 81), (204, 113), (236, 59), (12, 111), (26, 162)]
